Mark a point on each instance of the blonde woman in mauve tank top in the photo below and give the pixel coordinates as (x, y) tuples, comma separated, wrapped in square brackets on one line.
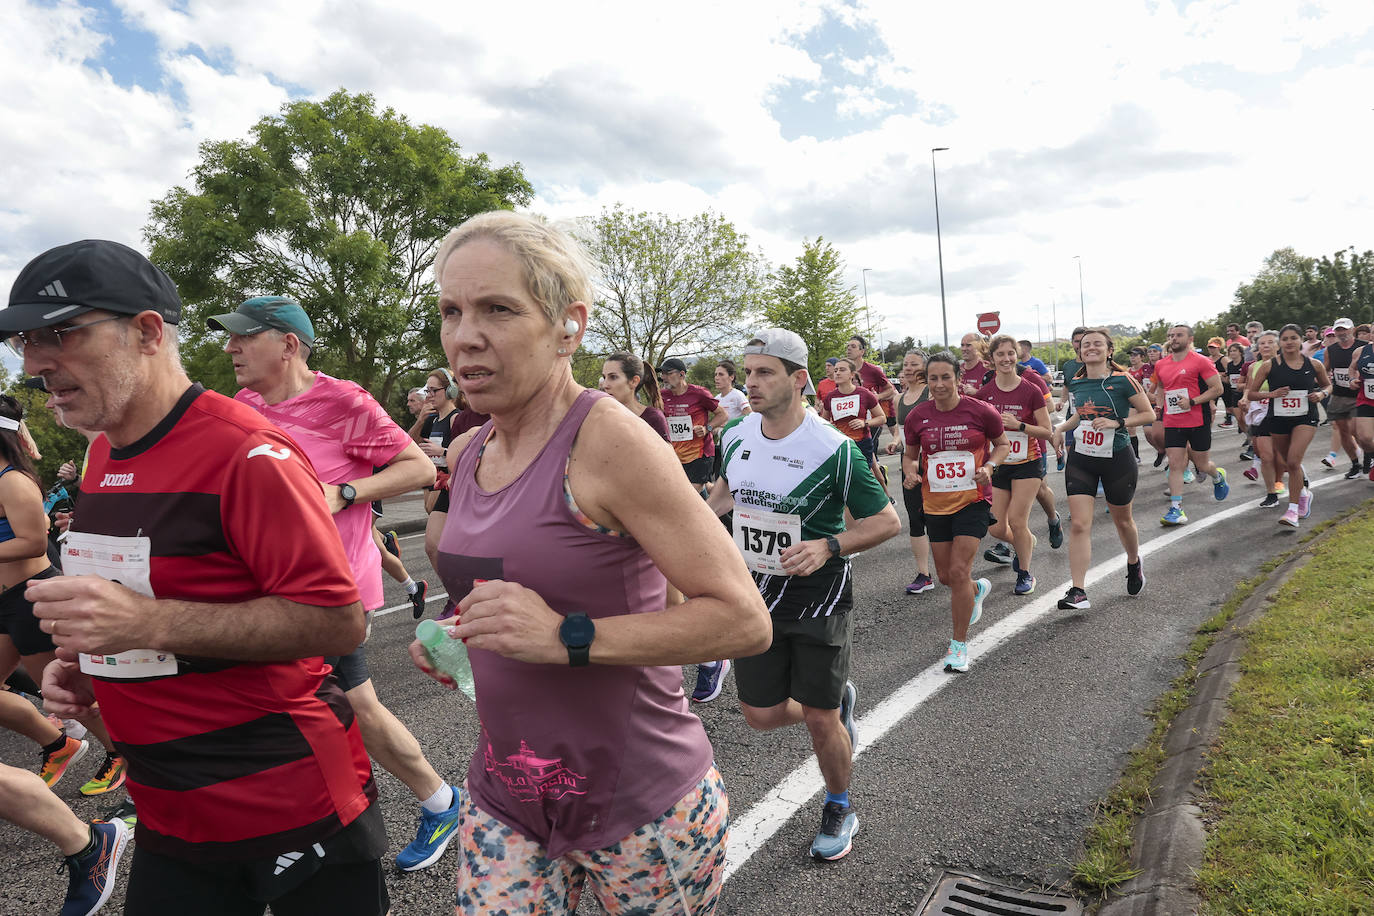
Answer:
[(566, 514)]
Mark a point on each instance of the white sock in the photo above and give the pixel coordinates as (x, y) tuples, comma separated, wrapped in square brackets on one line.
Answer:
[(1216, 475), (440, 801), (410, 587), (1255, 463)]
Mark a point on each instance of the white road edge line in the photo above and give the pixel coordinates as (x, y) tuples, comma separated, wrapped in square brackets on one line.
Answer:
[(752, 829), (407, 606)]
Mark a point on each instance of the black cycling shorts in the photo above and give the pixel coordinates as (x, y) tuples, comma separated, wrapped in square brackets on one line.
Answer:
[(1284, 426), (972, 521), (1198, 438), (1116, 474), (1004, 474), (915, 511), (17, 620)]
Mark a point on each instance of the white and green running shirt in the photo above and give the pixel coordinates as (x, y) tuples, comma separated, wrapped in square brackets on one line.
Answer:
[(791, 489)]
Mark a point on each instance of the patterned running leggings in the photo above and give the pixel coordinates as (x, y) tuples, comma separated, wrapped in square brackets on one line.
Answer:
[(670, 867)]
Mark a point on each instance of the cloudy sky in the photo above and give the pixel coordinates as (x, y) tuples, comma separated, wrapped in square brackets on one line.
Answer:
[(1170, 145)]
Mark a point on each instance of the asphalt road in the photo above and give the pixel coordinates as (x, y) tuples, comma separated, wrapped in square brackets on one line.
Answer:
[(995, 771)]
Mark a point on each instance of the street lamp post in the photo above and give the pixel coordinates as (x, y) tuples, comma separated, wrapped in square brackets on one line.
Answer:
[(1038, 338), (868, 317), (1054, 327), (939, 246), (1082, 312)]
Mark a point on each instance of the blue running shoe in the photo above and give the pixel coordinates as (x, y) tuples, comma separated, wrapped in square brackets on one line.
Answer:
[(1220, 488), (710, 680), (1016, 557), (1025, 584), (91, 875), (847, 702), (956, 659), (432, 838), (839, 824), (1174, 516), (980, 591)]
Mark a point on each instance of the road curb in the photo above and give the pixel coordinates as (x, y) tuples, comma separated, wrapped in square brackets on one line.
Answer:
[(1169, 838)]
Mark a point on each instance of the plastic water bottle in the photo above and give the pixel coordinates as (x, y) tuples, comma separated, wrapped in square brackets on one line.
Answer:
[(448, 655)]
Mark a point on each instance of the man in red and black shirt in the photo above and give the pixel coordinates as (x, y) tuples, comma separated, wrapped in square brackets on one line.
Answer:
[(194, 614)]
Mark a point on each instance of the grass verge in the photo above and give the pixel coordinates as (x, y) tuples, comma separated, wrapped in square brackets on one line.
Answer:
[(1106, 861)]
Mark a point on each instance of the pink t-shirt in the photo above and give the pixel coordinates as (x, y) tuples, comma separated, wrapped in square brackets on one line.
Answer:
[(345, 433), (1189, 374)]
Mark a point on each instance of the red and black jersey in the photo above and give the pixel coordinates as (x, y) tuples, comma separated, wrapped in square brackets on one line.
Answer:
[(229, 760)]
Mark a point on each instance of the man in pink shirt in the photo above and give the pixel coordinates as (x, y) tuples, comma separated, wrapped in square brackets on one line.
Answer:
[(346, 434), (1186, 385)]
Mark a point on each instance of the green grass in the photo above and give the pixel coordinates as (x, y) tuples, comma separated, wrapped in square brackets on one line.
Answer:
[(1290, 785), (1106, 861)]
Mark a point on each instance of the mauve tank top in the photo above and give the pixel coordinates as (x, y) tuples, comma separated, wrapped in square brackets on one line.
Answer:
[(575, 758)]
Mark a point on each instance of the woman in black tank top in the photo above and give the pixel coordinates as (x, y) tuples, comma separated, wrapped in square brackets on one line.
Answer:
[(914, 391), (1296, 384)]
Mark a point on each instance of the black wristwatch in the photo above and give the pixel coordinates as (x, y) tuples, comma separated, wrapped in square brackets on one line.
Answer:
[(834, 544), (347, 494), (576, 633)]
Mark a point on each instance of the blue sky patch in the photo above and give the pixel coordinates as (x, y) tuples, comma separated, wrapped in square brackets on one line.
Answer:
[(130, 55)]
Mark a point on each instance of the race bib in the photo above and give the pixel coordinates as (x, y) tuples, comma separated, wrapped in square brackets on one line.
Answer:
[(126, 561), (762, 536), (437, 440), (840, 408), (1093, 443), (1173, 400), (950, 472), (1020, 446), (1341, 377), (1235, 381), (1369, 388), (1293, 404), (680, 429)]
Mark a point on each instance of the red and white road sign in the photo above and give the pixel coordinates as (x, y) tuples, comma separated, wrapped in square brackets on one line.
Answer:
[(989, 323)]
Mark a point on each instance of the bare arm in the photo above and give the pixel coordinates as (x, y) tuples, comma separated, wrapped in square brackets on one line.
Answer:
[(23, 504), (410, 470)]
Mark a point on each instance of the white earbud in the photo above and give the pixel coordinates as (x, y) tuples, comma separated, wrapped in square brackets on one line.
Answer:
[(571, 327)]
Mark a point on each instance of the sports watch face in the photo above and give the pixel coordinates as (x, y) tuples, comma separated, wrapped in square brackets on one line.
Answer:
[(348, 492), (577, 631)]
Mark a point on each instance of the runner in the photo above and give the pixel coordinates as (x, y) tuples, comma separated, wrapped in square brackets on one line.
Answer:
[(345, 434), (434, 428), (1232, 369), (1029, 361), (827, 384), (731, 400), (623, 378), (565, 508), (854, 411), (1311, 343), (789, 477), (415, 401), (948, 441), (691, 412), (1340, 409), (1362, 364), (1015, 483), (1297, 384), (872, 377), (241, 750), (1185, 383), (914, 391), (1216, 353), (974, 369), (1265, 461), (1112, 403)]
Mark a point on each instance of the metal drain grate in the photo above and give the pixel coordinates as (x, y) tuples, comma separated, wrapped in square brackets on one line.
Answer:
[(960, 894)]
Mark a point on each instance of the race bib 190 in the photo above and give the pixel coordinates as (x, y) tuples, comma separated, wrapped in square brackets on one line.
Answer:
[(762, 536), (127, 561), (1292, 404), (1094, 443), (680, 429), (950, 472)]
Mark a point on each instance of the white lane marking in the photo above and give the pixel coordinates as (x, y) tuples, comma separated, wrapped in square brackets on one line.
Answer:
[(752, 829), (382, 612)]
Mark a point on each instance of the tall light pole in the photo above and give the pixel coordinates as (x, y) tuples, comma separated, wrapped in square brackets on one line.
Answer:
[(868, 317), (1038, 338), (1082, 312), (939, 247), (1054, 327)]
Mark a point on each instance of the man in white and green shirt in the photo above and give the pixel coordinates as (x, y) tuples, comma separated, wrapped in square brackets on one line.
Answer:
[(789, 476)]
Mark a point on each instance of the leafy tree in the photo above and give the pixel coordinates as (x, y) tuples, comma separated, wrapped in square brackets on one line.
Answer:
[(895, 351), (340, 207), (810, 298), (670, 287), (1305, 290)]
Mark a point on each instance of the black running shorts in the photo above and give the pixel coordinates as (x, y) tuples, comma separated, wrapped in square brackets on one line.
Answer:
[(1117, 475), (17, 620), (807, 662), (1198, 438), (972, 521)]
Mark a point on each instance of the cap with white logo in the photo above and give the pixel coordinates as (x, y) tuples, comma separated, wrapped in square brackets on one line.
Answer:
[(93, 274)]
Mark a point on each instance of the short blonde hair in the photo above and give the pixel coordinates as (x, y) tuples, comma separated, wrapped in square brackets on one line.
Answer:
[(556, 269)]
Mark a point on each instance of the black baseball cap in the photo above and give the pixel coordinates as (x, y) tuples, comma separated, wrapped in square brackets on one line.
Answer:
[(79, 277), (672, 364)]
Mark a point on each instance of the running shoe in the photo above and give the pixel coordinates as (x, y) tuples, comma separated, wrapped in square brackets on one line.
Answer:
[(1025, 583), (956, 659), (1159, 458), (1281, 488), (710, 680), (1135, 578), (1059, 462), (1368, 463), (1188, 475), (1174, 516), (922, 583), (109, 777), (417, 598), (1304, 502), (998, 553), (91, 875), (1056, 533), (1354, 471), (848, 700), (1270, 501), (1220, 488), (392, 545), (55, 764), (882, 471), (124, 811), (1290, 516), (1075, 599), (839, 824), (432, 838), (1247, 454), (1229, 421), (1250, 474), (981, 587), (1329, 462), (1016, 557)]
